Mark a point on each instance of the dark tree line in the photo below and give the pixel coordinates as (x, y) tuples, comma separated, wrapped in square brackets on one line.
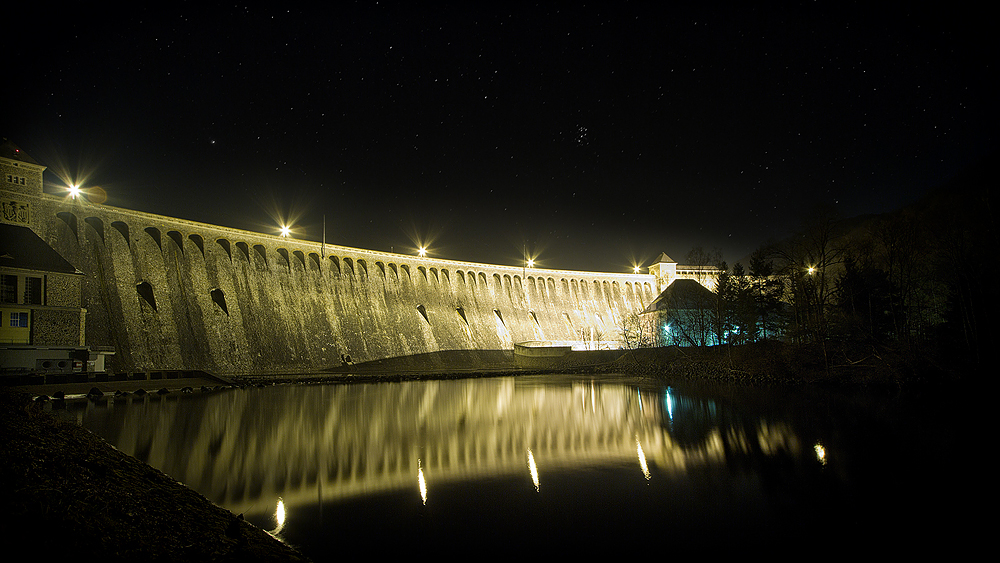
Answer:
[(748, 303), (917, 281), (835, 281)]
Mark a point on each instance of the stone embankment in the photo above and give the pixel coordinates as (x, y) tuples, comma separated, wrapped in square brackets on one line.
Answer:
[(117, 383)]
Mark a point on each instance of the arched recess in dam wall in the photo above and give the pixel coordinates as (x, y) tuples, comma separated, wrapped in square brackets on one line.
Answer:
[(174, 294)]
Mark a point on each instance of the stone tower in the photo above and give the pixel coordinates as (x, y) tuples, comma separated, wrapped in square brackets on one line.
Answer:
[(664, 269), (20, 176)]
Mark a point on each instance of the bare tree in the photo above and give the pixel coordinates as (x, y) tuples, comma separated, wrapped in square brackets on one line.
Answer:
[(636, 331), (809, 262), (700, 311)]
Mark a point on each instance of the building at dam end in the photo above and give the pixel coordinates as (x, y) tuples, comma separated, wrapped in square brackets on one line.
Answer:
[(169, 294)]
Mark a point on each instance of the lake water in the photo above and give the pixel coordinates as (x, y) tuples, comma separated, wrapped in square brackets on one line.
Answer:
[(553, 465)]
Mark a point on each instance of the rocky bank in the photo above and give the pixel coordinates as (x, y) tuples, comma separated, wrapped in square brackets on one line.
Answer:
[(72, 495)]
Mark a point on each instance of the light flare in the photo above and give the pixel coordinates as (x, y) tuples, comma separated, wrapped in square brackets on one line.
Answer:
[(74, 181), (423, 238), (283, 215), (96, 194)]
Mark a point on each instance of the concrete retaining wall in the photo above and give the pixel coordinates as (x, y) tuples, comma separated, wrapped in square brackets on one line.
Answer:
[(170, 294)]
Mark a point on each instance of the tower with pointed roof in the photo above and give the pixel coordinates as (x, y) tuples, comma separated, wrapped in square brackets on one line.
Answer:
[(664, 269)]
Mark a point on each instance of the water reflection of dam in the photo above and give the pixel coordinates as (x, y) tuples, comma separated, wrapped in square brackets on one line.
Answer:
[(242, 449)]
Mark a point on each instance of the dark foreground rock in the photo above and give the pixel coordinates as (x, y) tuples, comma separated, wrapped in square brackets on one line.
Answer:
[(69, 494)]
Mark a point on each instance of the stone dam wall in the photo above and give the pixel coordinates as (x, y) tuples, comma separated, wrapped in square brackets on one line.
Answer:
[(173, 294)]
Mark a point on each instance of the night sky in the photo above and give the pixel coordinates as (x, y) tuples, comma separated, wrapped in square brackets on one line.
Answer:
[(593, 136)]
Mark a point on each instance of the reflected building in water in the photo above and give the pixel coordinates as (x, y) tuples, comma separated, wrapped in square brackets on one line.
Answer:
[(245, 448)]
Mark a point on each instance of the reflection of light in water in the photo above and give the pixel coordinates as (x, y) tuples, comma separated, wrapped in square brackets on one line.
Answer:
[(642, 458), (820, 453), (532, 468), (279, 517), (668, 400), (556, 417), (421, 482)]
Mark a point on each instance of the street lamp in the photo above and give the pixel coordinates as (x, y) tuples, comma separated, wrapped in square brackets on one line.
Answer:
[(74, 191), (422, 251), (285, 230)]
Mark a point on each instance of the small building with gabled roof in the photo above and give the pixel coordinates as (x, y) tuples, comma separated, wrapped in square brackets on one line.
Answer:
[(682, 315), (41, 317)]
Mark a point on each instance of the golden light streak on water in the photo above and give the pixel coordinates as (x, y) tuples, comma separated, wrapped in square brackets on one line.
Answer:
[(642, 458), (820, 453), (279, 517), (421, 482), (533, 469)]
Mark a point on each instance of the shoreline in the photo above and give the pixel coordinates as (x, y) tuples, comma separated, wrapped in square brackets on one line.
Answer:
[(70, 484), (763, 363)]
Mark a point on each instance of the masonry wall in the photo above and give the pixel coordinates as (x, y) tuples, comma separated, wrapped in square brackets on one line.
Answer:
[(174, 294), (56, 327)]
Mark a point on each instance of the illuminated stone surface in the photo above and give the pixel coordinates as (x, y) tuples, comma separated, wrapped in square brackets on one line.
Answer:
[(154, 289)]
